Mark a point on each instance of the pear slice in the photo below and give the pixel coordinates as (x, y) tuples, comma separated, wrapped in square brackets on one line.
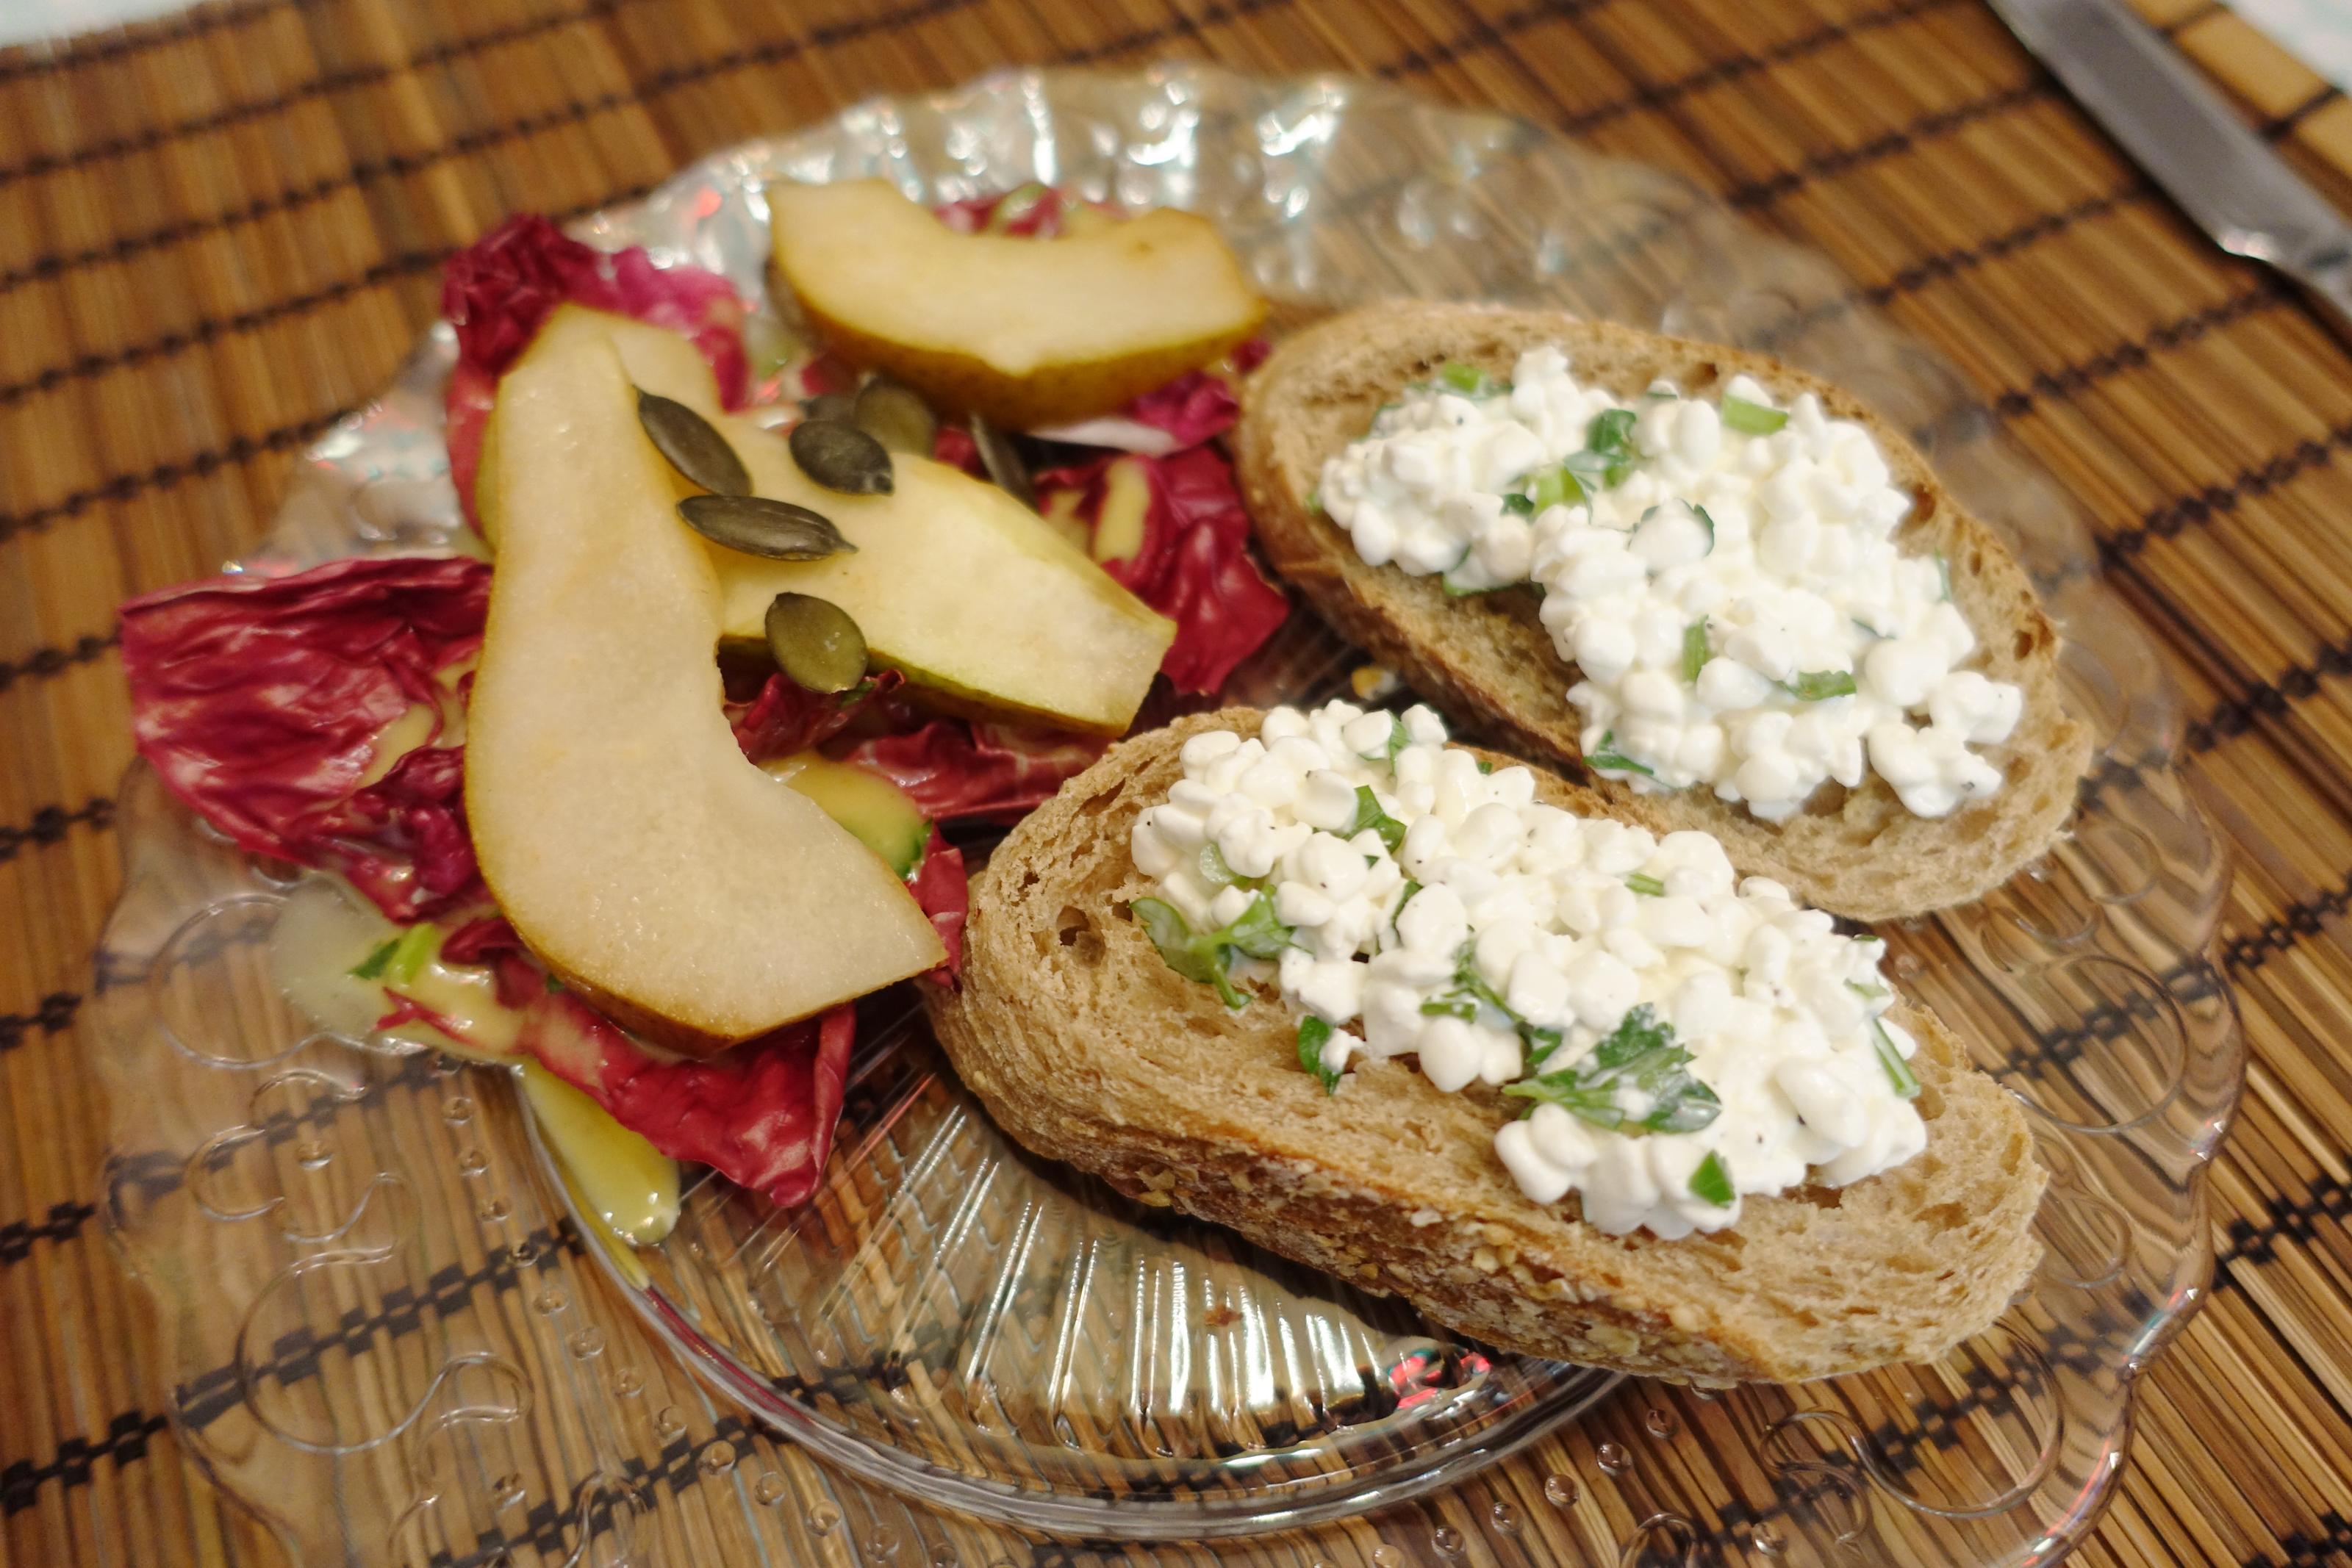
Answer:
[(1026, 332), (681, 890), (657, 359), (961, 588)]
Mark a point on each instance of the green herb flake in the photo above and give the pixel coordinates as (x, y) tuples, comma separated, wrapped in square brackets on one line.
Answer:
[(1694, 650), (1700, 513), (1484, 765), (1369, 815), (1645, 884), (1217, 874), (1899, 1071), (1410, 887), (1868, 993), (1641, 1054), (1315, 500), (1399, 739), (1313, 1035), (554, 986), (1610, 431), (1466, 379), (370, 967), (1610, 760), (1943, 575), (1820, 685), (1711, 1183), (1751, 418), (1207, 957)]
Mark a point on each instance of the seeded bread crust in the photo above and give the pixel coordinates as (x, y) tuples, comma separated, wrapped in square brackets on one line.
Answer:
[(1488, 661), (1087, 1049)]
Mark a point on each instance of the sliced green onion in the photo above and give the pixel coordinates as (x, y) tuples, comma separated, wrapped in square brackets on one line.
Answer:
[(1820, 685), (1694, 650), (1645, 884), (1751, 418), (1466, 379), (1899, 1071), (1611, 759)]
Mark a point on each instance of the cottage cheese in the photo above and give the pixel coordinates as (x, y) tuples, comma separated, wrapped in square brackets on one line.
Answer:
[(1504, 942), (1735, 601)]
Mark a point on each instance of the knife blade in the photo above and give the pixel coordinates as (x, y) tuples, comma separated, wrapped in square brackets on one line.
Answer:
[(2233, 186)]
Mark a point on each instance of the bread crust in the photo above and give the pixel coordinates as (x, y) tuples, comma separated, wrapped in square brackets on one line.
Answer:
[(1489, 662), (1086, 1048)]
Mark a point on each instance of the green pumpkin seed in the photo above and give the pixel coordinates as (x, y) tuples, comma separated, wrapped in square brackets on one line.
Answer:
[(816, 642), (693, 447), (897, 416), (830, 406), (840, 456), (758, 526), (1003, 461)]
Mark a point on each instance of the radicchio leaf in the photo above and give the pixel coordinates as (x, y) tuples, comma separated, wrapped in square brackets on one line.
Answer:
[(761, 1114), (958, 771), (786, 717), (260, 702), (498, 291), (1193, 562)]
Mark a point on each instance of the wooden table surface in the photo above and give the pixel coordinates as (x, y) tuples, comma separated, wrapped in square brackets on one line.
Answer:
[(220, 233)]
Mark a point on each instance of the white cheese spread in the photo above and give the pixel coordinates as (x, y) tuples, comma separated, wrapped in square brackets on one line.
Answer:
[(1724, 576), (1679, 1038)]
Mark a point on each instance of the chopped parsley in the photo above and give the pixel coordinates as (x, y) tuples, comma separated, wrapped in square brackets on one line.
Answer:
[(1207, 955), (1641, 1054), (1313, 1035), (1369, 815), (1711, 1183), (1469, 992), (1217, 874), (1700, 513), (1399, 739), (1751, 418)]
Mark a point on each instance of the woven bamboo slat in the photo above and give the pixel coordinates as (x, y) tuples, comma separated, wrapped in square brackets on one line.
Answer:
[(220, 231)]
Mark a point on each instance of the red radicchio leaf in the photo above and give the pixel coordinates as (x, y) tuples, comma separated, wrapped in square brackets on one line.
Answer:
[(1194, 563), (761, 1114), (498, 291), (260, 701), (954, 769), (941, 889), (786, 717), (953, 445), (1028, 212)]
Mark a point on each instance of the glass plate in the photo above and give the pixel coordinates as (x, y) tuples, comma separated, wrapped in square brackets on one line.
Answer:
[(378, 1333)]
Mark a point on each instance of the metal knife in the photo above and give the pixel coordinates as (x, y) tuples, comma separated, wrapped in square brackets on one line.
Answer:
[(2235, 188)]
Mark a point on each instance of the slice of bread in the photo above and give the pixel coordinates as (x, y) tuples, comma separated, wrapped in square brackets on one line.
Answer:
[(1489, 663), (1086, 1048)]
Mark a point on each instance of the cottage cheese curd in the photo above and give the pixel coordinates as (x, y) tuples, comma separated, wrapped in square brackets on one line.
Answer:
[(1724, 575), (1681, 1037)]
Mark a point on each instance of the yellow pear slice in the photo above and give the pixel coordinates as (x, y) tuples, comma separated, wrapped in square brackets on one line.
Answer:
[(960, 587), (653, 869), (1026, 332), (657, 359)]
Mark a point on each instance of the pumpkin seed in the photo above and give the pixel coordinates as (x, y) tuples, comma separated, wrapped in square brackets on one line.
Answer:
[(830, 406), (758, 526), (816, 642), (1003, 461), (897, 416), (692, 445), (840, 456)]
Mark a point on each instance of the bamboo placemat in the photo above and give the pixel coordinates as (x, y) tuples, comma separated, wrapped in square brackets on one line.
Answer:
[(220, 233)]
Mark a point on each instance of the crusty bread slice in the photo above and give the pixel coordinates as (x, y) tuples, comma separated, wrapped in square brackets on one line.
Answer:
[(1086, 1048), (1489, 662)]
